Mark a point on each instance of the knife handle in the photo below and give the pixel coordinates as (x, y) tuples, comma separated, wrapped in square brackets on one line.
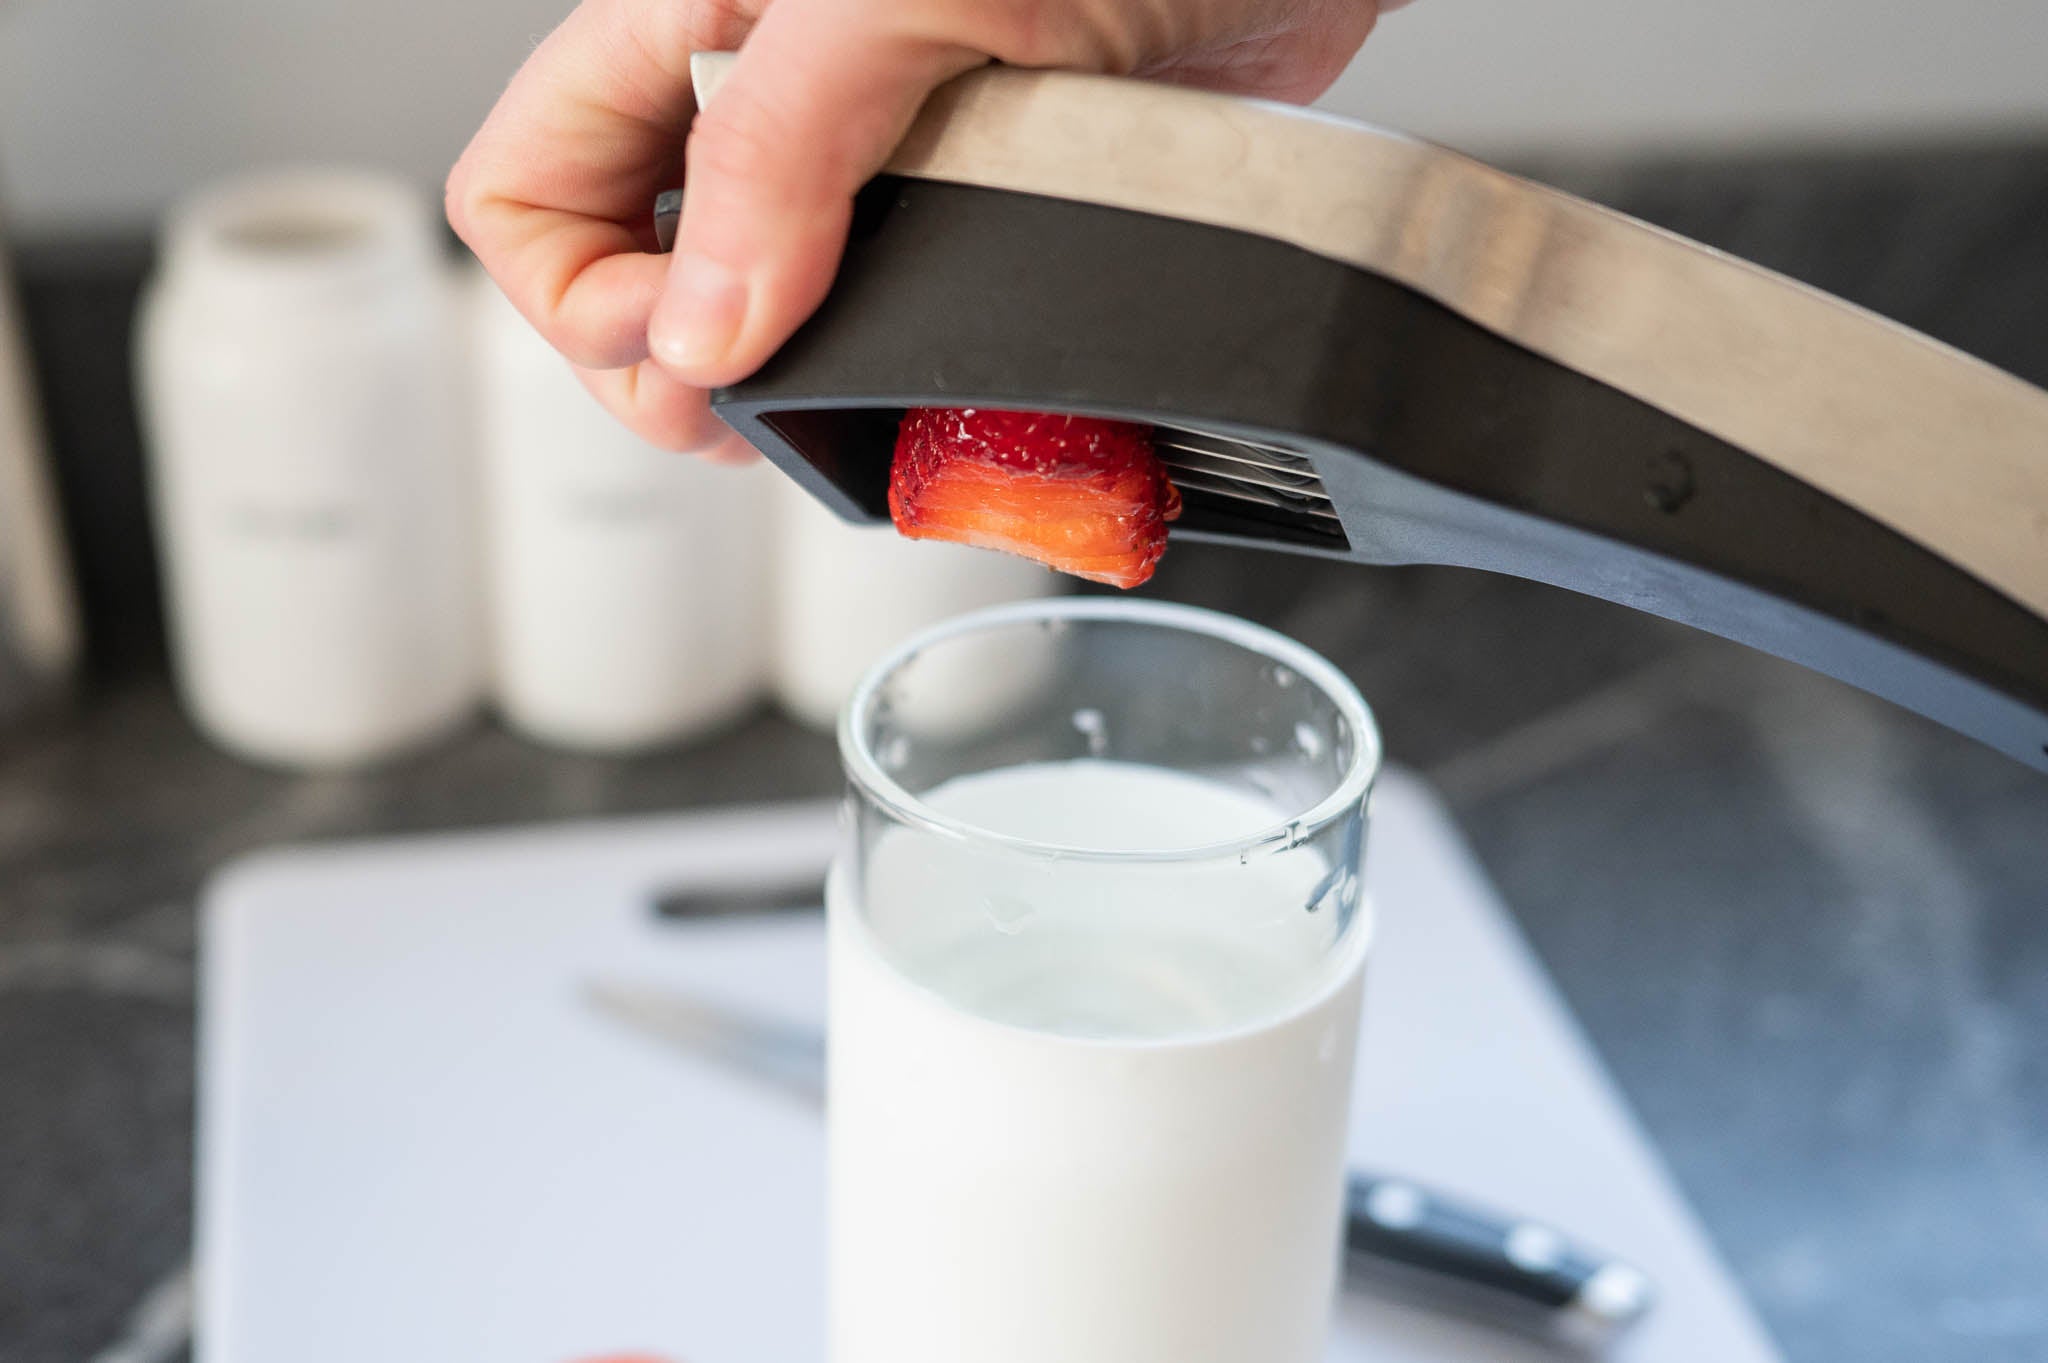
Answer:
[(1526, 1267)]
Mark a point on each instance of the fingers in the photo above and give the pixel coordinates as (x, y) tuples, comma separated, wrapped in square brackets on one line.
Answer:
[(820, 94), (665, 411), (1292, 57), (553, 193)]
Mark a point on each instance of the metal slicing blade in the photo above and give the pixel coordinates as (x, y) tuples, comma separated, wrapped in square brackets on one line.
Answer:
[(1274, 479)]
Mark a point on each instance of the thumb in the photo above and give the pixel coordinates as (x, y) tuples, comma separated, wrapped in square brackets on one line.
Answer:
[(814, 104)]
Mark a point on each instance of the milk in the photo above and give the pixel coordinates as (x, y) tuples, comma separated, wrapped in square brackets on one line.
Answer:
[(1088, 1113)]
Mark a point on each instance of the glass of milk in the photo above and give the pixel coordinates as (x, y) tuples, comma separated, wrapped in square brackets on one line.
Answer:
[(1096, 944)]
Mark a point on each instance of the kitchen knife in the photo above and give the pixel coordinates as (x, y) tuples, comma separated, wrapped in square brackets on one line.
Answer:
[(1512, 1272)]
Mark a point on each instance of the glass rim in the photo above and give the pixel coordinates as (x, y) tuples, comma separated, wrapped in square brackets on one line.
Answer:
[(1348, 793)]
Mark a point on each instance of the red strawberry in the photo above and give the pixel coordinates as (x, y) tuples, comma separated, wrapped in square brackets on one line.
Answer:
[(1085, 496)]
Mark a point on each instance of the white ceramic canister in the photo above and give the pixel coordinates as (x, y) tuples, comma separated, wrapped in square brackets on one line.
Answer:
[(628, 584), (312, 486), (40, 638), (845, 595)]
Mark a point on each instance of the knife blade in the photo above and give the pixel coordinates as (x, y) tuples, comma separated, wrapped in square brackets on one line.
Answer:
[(1398, 1235)]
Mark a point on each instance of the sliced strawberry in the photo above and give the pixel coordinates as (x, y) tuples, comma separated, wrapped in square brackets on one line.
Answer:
[(1082, 495)]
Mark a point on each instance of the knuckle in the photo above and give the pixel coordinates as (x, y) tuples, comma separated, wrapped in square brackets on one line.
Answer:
[(712, 25), (458, 201), (739, 136), (593, 340), (1024, 32), (476, 208), (597, 351), (1054, 33)]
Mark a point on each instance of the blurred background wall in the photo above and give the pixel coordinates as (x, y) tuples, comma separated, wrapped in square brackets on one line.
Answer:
[(108, 107)]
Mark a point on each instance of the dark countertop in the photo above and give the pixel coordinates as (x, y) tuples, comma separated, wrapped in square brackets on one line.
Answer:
[(1807, 931)]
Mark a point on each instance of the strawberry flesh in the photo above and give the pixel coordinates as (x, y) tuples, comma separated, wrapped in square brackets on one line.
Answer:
[(1079, 494)]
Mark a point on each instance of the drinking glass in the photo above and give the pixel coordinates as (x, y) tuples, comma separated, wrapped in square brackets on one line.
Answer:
[(1096, 949)]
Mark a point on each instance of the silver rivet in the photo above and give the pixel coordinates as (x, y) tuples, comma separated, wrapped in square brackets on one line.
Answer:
[(1397, 1206), (1535, 1248), (1617, 1294)]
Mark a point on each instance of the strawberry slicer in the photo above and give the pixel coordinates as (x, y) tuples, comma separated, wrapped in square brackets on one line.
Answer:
[(1360, 346)]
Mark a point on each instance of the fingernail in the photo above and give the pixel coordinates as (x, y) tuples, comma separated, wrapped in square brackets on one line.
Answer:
[(699, 315)]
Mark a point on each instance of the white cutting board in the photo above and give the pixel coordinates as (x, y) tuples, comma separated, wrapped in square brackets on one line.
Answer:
[(416, 1143)]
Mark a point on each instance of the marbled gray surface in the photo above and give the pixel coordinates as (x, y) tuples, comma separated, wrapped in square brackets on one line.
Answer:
[(1808, 932)]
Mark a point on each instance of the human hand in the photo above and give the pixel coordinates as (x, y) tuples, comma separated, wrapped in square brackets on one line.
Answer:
[(553, 193)]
